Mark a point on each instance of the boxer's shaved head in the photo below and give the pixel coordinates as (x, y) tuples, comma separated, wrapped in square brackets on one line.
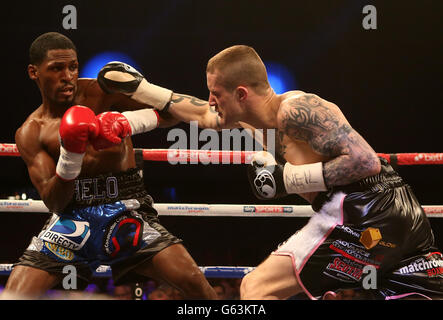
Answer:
[(239, 65)]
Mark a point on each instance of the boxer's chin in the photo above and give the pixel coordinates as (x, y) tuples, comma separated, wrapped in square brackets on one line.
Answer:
[(65, 100)]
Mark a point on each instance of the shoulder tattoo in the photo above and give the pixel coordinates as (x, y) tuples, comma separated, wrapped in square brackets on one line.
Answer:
[(307, 118)]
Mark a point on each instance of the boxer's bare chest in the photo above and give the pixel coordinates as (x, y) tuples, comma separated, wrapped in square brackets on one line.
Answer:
[(294, 151), (288, 149), (49, 136)]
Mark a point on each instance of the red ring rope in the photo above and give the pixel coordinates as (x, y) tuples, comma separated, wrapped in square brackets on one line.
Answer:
[(241, 157)]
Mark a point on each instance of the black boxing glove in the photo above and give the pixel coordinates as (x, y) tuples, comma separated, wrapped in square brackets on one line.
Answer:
[(119, 77), (271, 180), (266, 177)]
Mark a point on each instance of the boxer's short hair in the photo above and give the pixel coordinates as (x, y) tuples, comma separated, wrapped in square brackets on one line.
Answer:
[(48, 41), (239, 65)]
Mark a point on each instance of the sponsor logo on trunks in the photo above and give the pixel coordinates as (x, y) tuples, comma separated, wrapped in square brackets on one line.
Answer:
[(349, 230), (370, 237), (355, 253), (95, 189), (123, 236), (268, 209), (68, 233), (35, 245), (432, 267), (387, 244), (104, 269), (345, 269), (59, 251)]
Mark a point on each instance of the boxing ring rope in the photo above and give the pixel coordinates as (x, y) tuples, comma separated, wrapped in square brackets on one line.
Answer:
[(242, 157), (214, 210), (206, 210), (104, 271)]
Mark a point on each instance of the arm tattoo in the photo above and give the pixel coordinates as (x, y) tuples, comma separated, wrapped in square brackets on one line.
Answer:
[(308, 119), (199, 103), (280, 147), (193, 100)]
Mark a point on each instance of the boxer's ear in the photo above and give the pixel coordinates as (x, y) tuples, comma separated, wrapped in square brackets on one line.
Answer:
[(241, 93), (32, 72)]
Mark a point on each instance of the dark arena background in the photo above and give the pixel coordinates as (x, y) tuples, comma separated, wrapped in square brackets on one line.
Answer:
[(386, 77)]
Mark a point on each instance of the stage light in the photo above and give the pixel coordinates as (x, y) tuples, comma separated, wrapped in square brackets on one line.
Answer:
[(91, 68), (171, 193), (280, 78)]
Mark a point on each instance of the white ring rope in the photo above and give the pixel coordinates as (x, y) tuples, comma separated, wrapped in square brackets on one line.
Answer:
[(207, 210)]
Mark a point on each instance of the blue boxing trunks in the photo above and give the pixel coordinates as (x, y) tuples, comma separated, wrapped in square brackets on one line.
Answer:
[(110, 221), (374, 227)]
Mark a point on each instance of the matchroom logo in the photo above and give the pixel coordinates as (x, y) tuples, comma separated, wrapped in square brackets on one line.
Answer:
[(431, 267)]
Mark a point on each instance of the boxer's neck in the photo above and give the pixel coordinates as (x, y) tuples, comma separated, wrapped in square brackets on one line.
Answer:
[(262, 110)]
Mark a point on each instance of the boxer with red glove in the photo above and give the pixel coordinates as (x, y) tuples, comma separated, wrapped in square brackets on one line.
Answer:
[(77, 128), (101, 229), (115, 126)]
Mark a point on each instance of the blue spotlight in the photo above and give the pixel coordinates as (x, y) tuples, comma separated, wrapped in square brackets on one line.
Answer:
[(280, 78), (93, 65), (170, 193)]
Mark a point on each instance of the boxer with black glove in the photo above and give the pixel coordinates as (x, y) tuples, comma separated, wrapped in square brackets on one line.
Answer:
[(120, 77), (270, 180)]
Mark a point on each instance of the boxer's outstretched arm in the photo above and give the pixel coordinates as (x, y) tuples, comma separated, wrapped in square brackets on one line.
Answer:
[(187, 108), (321, 124), (117, 77), (55, 192), (182, 108)]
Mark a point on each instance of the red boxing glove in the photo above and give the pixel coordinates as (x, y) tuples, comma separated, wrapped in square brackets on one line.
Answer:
[(114, 127), (77, 127)]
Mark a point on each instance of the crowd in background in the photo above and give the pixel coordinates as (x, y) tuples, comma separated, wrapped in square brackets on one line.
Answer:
[(226, 289)]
